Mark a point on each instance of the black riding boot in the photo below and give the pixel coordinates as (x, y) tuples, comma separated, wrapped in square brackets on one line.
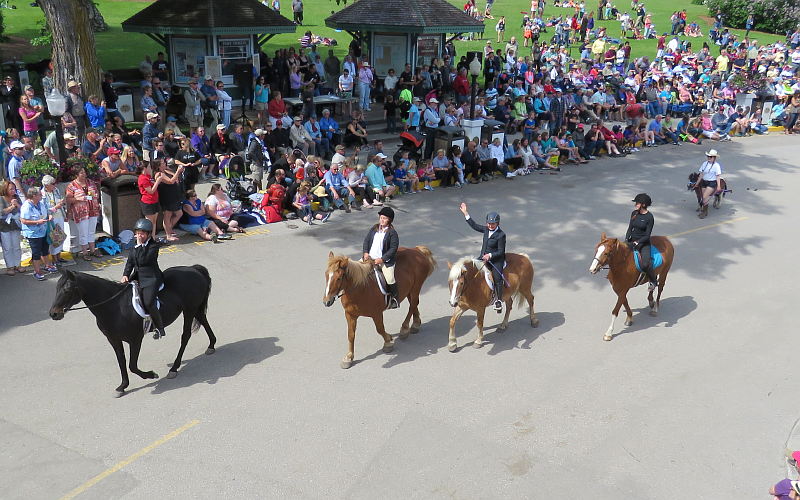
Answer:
[(498, 297), (158, 324), (394, 303)]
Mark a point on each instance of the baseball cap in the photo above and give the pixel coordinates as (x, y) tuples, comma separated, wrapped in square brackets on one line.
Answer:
[(433, 99), (28, 87), (381, 155), (208, 77), (72, 83), (221, 126), (150, 116), (172, 119), (16, 145), (259, 131), (113, 151), (69, 137)]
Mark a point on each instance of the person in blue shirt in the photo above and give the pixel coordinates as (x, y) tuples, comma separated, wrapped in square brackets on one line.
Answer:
[(34, 216), (321, 142), (96, 112), (337, 187), (329, 128), (414, 115), (377, 181)]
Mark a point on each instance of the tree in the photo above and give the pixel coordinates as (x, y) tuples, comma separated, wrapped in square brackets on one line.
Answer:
[(74, 52)]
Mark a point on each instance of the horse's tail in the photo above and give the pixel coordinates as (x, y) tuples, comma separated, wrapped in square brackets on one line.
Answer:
[(203, 305), (428, 255)]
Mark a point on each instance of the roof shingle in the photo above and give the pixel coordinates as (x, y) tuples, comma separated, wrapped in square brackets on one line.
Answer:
[(407, 16)]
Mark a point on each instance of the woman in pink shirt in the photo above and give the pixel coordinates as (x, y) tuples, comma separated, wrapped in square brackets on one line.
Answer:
[(29, 115)]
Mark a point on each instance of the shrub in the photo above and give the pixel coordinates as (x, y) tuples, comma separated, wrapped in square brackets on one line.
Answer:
[(773, 16)]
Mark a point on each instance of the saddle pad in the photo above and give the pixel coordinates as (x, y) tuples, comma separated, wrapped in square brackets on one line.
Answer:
[(136, 301), (655, 257)]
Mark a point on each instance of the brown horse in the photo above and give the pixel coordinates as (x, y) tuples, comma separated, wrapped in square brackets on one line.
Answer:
[(354, 282), (623, 275), (469, 290)]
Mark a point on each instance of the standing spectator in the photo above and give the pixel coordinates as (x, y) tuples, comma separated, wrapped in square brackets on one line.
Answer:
[(10, 229), (15, 164), (147, 103), (55, 203), (110, 96), (365, 83), (212, 100), (332, 66), (75, 107), (261, 99), (390, 113), (83, 208), (160, 96), (160, 67), (188, 158), (500, 27), (194, 106), (297, 10), (29, 117), (170, 196), (95, 112), (9, 97), (150, 132), (34, 217), (390, 83), (224, 104), (259, 157), (148, 183)]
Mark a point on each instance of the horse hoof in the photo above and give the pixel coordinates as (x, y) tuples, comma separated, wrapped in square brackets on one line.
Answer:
[(414, 329), (628, 322), (210, 351), (535, 323), (452, 347), (388, 347), (654, 313), (119, 394), (501, 328), (345, 364), (477, 344), (172, 374), (404, 334), (607, 338)]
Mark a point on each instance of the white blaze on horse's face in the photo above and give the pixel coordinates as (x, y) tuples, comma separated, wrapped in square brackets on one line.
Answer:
[(328, 286), (596, 261), (453, 292)]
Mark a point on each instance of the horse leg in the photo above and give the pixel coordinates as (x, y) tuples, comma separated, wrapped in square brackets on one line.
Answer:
[(133, 363), (529, 297), (404, 330), (347, 361), (388, 342), (452, 345), (654, 311), (479, 341), (212, 340), (414, 301), (509, 304), (614, 312), (187, 333), (120, 352), (628, 311)]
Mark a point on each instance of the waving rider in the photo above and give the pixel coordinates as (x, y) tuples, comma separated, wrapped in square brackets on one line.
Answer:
[(381, 245), (142, 264), (493, 250)]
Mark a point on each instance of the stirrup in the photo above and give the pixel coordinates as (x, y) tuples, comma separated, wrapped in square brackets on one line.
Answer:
[(498, 305), (393, 303)]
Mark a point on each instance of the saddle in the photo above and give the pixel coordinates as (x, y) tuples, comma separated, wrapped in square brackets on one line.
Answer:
[(136, 302), (487, 272), (655, 257), (383, 287)]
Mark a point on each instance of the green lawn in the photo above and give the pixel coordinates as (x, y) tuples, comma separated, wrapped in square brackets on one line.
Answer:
[(124, 50)]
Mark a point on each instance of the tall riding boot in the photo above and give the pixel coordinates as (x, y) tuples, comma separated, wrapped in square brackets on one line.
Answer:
[(158, 324), (394, 303), (498, 297)]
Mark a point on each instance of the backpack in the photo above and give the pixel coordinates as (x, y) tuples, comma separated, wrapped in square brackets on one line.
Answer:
[(274, 197)]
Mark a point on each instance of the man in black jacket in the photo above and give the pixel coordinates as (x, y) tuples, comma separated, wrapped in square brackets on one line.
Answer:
[(142, 265), (381, 245), (493, 250)]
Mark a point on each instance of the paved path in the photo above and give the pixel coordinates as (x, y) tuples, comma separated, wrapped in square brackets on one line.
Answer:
[(696, 403)]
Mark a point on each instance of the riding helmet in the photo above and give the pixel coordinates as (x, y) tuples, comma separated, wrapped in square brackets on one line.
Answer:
[(143, 225), (493, 217), (388, 212), (643, 198)]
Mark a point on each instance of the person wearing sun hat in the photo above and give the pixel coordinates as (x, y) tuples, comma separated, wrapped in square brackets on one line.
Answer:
[(76, 106), (709, 181)]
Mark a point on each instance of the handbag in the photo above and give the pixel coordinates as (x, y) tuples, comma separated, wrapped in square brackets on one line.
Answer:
[(55, 235)]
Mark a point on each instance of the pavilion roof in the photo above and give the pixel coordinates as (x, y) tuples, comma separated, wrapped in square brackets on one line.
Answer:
[(404, 16)]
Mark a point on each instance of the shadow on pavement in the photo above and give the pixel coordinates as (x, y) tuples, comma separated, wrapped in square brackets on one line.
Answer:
[(671, 311), (227, 361)]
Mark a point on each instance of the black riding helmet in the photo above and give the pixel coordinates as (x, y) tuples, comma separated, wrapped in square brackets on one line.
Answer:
[(644, 199), (143, 225), (493, 217), (388, 212)]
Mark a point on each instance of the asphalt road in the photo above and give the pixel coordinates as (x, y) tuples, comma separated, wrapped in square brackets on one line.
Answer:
[(696, 403)]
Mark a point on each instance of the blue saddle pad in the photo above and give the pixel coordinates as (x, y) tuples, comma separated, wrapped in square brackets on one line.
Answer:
[(655, 258)]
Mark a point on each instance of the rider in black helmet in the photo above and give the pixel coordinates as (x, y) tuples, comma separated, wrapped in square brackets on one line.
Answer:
[(638, 235), (381, 246), (493, 250), (142, 265)]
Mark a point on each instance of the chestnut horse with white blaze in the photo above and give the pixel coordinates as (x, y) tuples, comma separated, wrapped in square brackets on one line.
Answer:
[(469, 290), (623, 275), (354, 281)]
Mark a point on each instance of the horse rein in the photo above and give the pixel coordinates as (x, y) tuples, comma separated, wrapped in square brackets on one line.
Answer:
[(99, 303)]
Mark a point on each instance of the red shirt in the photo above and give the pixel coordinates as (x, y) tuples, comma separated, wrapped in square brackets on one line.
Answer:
[(145, 182)]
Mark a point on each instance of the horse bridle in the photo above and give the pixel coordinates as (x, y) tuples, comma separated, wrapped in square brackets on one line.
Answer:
[(66, 310)]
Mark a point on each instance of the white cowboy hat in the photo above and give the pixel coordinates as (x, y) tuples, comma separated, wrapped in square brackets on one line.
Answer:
[(712, 152)]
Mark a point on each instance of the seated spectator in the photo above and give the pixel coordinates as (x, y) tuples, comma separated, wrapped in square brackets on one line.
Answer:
[(425, 173), (278, 111), (194, 220), (237, 139), (113, 166), (721, 124), (402, 179), (377, 181), (498, 153), (337, 187), (358, 182), (443, 169), (300, 137), (610, 140), (322, 144), (661, 133), (488, 164), (93, 146), (302, 203), (529, 160), (220, 210), (279, 138), (330, 129), (355, 134)]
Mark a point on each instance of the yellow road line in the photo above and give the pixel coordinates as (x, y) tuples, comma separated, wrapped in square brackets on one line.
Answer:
[(139, 454), (707, 227)]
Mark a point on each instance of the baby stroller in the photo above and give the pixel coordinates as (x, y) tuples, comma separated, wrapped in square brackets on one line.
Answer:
[(412, 143), (718, 196), (238, 187)]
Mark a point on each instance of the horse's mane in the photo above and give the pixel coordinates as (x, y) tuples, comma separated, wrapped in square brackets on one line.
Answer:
[(357, 272), (97, 280), (458, 267)]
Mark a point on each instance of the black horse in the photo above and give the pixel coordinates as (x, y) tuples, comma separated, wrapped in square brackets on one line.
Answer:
[(186, 290)]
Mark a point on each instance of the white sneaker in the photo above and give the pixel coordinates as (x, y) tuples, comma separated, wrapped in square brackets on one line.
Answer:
[(510, 175)]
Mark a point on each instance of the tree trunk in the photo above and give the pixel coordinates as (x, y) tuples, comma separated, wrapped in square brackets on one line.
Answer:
[(74, 53), (95, 17)]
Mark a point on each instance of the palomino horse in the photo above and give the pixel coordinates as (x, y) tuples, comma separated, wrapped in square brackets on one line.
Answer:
[(623, 275), (354, 282), (469, 290), (186, 291)]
